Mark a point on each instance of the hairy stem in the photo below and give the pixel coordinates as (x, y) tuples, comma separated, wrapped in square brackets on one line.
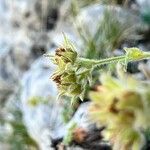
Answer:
[(90, 62)]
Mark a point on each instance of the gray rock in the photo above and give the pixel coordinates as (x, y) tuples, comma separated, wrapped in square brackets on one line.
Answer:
[(145, 69), (15, 59), (68, 29), (13, 64), (27, 14), (83, 121), (81, 117), (43, 121), (22, 39), (91, 16), (143, 3)]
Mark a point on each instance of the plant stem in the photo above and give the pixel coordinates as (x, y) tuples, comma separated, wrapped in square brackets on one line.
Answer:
[(110, 60), (90, 62), (146, 55)]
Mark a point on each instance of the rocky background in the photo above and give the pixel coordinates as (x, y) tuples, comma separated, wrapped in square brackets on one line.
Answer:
[(30, 116)]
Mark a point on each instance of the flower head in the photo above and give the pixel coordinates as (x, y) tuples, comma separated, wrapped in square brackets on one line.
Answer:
[(121, 106), (67, 83), (69, 77), (67, 54)]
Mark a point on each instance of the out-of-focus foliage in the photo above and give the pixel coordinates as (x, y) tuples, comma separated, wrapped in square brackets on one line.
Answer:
[(147, 137), (76, 5), (85, 2), (110, 34), (36, 100), (120, 2), (68, 109), (18, 138), (122, 105), (145, 14), (69, 136)]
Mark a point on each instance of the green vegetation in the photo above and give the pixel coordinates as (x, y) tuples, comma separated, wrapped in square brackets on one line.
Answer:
[(74, 74), (122, 105), (18, 138)]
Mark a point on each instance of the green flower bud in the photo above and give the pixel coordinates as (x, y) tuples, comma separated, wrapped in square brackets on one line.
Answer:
[(67, 54), (134, 53), (65, 78), (67, 82), (75, 89), (69, 77)]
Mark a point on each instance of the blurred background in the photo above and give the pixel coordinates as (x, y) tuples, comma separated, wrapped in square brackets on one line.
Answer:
[(30, 116)]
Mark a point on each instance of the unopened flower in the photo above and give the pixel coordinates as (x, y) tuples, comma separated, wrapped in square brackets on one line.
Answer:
[(71, 78), (67, 83), (136, 54), (67, 54)]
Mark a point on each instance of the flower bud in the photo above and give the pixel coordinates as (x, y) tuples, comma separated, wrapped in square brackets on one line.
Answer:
[(67, 83), (134, 53), (67, 54)]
